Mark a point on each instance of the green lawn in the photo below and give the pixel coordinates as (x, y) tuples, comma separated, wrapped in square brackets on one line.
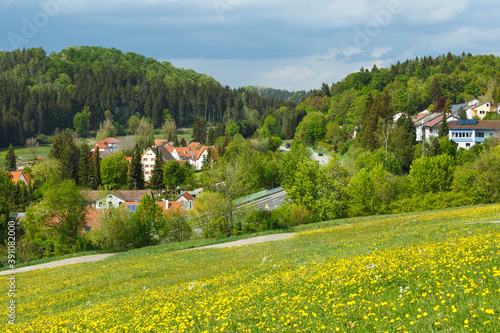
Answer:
[(425, 272)]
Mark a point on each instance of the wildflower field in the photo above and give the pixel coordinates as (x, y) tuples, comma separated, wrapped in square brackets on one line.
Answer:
[(428, 272)]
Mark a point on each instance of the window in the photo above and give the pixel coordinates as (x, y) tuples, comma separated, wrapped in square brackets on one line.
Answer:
[(479, 134), (482, 112), (467, 145), (132, 208), (144, 159)]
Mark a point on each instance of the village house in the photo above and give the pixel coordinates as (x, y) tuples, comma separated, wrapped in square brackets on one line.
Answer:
[(116, 198), (149, 157), (480, 110), (109, 145), (19, 175), (468, 132)]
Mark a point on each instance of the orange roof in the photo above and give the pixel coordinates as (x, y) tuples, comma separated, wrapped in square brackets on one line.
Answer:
[(187, 195), (159, 142), (193, 145), (129, 159), (175, 206), (101, 145), (170, 149), (198, 155), (110, 140), (16, 175)]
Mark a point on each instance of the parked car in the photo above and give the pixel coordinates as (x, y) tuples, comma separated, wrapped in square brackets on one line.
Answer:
[(320, 154), (288, 145)]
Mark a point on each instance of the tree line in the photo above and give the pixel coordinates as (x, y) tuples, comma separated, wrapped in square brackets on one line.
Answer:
[(40, 92)]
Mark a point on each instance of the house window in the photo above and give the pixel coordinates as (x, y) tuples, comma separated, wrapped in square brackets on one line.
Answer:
[(482, 112), (491, 134), (132, 208), (467, 145), (144, 159), (479, 134)]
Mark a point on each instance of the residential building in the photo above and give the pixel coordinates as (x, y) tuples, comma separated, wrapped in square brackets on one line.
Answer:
[(429, 125), (109, 144), (468, 132), (480, 110), (19, 175), (149, 157), (117, 198)]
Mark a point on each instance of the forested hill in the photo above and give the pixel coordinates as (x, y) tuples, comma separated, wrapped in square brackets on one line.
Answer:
[(40, 92), (285, 95), (413, 86)]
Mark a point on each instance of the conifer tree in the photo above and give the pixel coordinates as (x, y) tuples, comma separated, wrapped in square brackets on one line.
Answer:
[(200, 130), (136, 171), (211, 137), (10, 157), (84, 166), (443, 129), (156, 181), (95, 176), (183, 142)]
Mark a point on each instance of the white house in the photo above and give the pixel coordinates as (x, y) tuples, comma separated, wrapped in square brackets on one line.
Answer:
[(468, 132), (480, 110), (109, 144), (429, 126), (149, 157), (117, 198)]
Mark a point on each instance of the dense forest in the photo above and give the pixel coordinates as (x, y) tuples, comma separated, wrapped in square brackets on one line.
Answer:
[(413, 86), (40, 92), (295, 96)]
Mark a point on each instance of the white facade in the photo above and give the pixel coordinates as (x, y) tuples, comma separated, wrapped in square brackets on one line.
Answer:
[(107, 202), (148, 163)]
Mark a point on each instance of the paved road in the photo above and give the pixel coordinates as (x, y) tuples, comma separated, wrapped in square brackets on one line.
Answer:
[(321, 159), (64, 262), (273, 201), (248, 241), (99, 257)]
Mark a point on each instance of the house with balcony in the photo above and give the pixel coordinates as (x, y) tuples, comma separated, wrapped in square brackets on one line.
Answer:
[(469, 132)]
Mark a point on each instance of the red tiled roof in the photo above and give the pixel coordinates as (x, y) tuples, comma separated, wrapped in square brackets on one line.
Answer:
[(435, 121), (159, 142), (193, 145), (16, 175), (187, 195), (110, 140), (175, 206)]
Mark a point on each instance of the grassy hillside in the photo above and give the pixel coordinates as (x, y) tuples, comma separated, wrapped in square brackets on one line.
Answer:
[(432, 271)]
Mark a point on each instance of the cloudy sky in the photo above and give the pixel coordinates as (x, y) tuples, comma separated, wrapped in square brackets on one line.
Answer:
[(282, 44)]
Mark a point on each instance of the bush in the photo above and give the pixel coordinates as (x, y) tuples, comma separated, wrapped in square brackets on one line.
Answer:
[(291, 215), (431, 201)]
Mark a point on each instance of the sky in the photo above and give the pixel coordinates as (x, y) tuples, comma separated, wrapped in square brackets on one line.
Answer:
[(292, 44)]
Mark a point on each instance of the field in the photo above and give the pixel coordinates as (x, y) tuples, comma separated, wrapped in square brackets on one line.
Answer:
[(427, 272)]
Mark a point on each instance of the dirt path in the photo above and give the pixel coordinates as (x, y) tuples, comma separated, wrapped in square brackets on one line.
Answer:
[(99, 257)]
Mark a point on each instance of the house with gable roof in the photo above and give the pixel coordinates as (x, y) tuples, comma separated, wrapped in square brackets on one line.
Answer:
[(469, 132), (19, 175), (149, 157), (480, 110)]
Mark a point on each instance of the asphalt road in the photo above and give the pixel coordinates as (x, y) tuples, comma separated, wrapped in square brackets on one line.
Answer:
[(321, 159), (272, 201)]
